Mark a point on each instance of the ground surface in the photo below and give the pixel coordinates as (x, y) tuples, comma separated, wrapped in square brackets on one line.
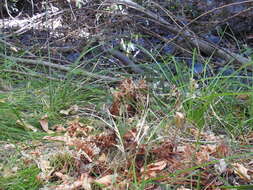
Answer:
[(107, 95)]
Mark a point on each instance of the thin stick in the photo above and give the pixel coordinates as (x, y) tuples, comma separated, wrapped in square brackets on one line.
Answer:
[(56, 66), (37, 75), (205, 46)]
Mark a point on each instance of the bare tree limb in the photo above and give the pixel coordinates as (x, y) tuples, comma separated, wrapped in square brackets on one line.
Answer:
[(205, 46), (59, 67), (37, 75), (126, 61)]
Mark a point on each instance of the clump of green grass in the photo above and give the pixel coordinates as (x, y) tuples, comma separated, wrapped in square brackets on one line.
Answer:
[(31, 98), (25, 178), (63, 162), (208, 101)]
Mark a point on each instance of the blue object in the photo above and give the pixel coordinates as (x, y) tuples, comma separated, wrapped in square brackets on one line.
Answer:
[(198, 68), (72, 57), (226, 72), (168, 49), (212, 38)]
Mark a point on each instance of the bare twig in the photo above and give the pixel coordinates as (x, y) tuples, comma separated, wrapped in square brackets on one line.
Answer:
[(59, 67), (126, 61), (205, 46), (25, 24), (37, 75)]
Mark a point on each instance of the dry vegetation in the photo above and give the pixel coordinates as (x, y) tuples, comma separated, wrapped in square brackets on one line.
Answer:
[(121, 94)]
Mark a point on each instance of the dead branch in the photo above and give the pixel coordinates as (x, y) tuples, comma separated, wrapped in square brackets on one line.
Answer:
[(23, 25), (126, 61), (36, 75), (59, 67), (205, 46)]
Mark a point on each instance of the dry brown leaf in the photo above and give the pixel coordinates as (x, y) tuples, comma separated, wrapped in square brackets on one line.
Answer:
[(241, 171), (58, 128), (222, 150), (83, 182), (195, 132), (151, 170), (129, 97), (179, 120), (102, 158), (129, 138), (106, 180), (62, 176), (243, 97), (86, 181), (46, 169), (71, 111), (72, 186), (202, 157), (89, 149), (211, 148), (77, 129), (26, 125), (105, 140), (183, 188), (158, 166), (66, 139), (44, 124)]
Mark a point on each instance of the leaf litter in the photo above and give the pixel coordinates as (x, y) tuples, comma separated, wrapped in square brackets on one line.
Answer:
[(95, 160)]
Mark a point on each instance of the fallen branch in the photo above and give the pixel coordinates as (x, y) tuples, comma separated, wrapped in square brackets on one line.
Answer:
[(35, 22), (126, 61), (59, 67), (205, 46), (37, 75)]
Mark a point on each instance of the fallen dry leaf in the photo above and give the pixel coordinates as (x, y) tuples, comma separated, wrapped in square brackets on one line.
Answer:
[(202, 157), (83, 182), (26, 125), (102, 158), (179, 120), (44, 124), (65, 139), (241, 171), (106, 180), (62, 176), (222, 150), (243, 97), (151, 170), (183, 188), (72, 186), (77, 129), (87, 149), (71, 111), (86, 181), (59, 128), (129, 97), (158, 166)]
